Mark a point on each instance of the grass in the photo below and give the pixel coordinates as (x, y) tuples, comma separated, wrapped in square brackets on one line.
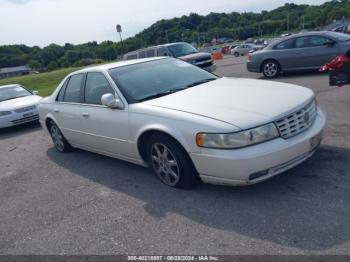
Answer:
[(45, 83)]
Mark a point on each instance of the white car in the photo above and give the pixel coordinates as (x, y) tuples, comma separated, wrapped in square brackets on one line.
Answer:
[(186, 123), (17, 105)]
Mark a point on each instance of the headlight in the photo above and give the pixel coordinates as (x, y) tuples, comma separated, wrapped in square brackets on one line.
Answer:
[(5, 113), (237, 140)]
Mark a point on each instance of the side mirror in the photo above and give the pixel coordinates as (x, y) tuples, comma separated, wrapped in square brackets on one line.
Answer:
[(110, 101), (35, 92)]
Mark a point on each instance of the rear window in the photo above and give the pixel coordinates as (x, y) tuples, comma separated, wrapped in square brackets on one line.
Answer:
[(142, 54), (150, 53), (73, 89), (288, 44), (340, 36)]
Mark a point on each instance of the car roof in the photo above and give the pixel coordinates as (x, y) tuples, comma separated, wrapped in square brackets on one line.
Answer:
[(152, 47), (280, 40), (305, 34), (108, 66)]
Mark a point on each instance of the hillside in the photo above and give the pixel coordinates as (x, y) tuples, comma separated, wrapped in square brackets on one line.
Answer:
[(191, 28), (45, 83)]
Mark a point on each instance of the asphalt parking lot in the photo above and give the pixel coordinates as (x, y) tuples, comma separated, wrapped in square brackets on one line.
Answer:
[(84, 203)]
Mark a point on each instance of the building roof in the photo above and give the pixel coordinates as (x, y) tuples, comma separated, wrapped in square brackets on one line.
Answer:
[(7, 70)]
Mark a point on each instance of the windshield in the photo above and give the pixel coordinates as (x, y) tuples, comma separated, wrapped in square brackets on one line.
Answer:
[(12, 92), (148, 80), (182, 49), (340, 36)]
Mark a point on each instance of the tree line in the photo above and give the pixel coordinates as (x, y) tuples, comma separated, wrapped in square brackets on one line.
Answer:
[(190, 28)]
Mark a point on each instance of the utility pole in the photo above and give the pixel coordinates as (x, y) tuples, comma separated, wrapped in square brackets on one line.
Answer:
[(119, 30), (167, 37), (288, 22), (303, 22)]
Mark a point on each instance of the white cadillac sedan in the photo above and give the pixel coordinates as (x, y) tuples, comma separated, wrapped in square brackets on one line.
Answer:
[(17, 105), (187, 124)]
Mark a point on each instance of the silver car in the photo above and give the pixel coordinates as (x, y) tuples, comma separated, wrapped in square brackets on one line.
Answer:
[(244, 49), (307, 51)]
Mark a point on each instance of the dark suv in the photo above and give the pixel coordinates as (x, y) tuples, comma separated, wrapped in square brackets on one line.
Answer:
[(180, 50)]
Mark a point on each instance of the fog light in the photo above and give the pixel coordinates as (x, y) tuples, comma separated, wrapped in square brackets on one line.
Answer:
[(258, 175)]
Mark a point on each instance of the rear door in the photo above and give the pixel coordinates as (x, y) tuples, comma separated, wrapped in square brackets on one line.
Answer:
[(104, 129), (284, 53), (66, 110)]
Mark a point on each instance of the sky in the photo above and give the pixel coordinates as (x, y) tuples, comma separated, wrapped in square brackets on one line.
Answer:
[(41, 22)]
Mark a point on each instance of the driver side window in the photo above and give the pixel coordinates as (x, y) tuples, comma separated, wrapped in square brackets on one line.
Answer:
[(96, 86)]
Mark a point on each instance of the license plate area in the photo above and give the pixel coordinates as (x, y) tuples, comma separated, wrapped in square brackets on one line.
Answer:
[(316, 140)]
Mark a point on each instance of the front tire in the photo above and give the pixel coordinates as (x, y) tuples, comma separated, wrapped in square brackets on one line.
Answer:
[(61, 144), (271, 69), (171, 163), (236, 54)]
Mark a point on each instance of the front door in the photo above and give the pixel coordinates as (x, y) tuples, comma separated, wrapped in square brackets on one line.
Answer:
[(104, 129), (314, 51)]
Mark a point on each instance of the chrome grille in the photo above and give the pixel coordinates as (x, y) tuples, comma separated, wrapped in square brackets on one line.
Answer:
[(297, 122), (25, 109)]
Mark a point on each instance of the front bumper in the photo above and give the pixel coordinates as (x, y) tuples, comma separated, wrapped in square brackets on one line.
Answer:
[(210, 69), (19, 118), (253, 67), (239, 166)]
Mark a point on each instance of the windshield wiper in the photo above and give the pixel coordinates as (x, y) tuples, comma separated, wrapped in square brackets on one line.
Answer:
[(160, 94), (201, 82)]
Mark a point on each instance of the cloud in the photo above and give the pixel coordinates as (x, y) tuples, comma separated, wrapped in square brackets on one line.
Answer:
[(18, 1), (41, 22)]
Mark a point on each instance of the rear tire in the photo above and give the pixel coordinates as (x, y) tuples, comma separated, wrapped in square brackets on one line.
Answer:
[(59, 141), (271, 69), (171, 163)]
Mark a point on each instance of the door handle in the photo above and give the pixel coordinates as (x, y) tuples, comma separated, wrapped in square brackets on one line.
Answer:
[(86, 115), (56, 110)]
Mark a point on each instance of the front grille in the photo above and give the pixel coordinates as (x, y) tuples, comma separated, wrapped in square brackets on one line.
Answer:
[(203, 59), (297, 122), (26, 119), (25, 109)]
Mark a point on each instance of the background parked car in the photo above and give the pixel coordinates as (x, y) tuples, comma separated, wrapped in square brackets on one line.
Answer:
[(244, 49), (307, 51), (180, 50), (17, 105), (343, 29)]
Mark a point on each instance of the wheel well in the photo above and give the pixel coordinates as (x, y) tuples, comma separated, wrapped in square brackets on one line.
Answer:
[(273, 60), (47, 122), (142, 142)]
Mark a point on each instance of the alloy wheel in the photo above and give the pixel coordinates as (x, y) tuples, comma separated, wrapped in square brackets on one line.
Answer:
[(270, 69), (165, 164), (57, 138)]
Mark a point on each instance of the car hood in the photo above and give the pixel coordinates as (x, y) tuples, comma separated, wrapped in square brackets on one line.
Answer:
[(19, 103), (196, 57), (244, 103)]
